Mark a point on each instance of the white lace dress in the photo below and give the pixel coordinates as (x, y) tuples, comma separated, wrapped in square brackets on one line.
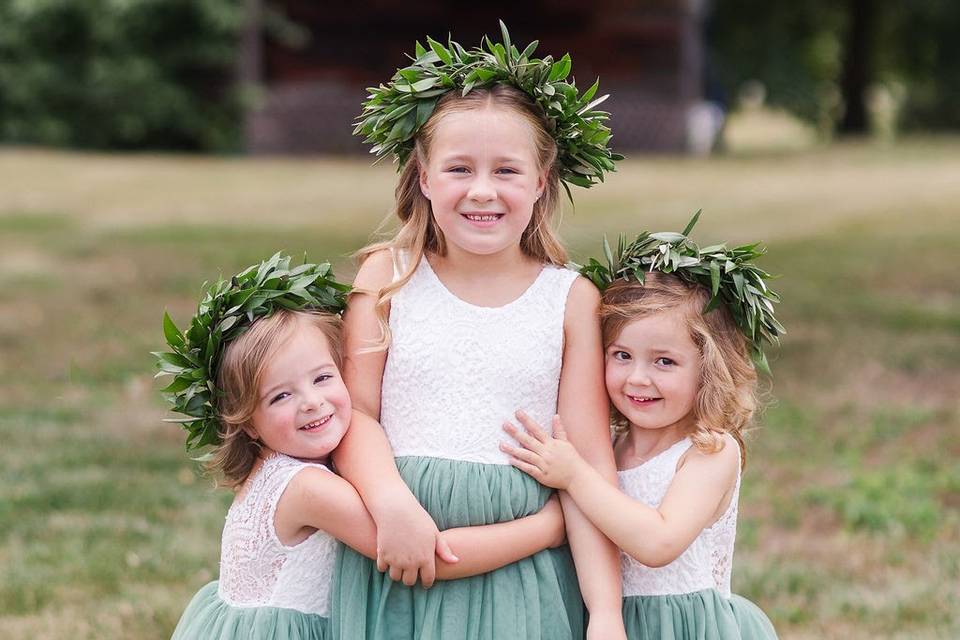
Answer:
[(267, 590), (454, 373), (688, 599)]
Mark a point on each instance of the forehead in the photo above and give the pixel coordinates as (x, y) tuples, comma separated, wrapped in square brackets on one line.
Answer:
[(302, 342), (664, 330), (492, 130)]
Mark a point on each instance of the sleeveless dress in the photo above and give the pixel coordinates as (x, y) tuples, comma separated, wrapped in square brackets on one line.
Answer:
[(688, 599), (454, 373), (267, 590)]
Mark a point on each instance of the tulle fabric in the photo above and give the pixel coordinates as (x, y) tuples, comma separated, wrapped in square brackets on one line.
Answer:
[(208, 617), (702, 615), (537, 597)]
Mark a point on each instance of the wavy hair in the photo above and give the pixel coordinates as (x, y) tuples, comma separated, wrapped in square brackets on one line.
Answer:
[(727, 397), (238, 383), (419, 233)]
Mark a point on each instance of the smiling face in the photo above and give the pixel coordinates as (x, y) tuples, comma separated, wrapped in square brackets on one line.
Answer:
[(303, 408), (653, 372), (482, 179)]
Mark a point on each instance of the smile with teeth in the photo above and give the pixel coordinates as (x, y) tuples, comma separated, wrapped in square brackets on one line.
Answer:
[(316, 424), (643, 399), (482, 217)]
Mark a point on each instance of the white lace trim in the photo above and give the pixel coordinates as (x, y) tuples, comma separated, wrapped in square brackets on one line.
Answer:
[(456, 371), (706, 563), (256, 569)]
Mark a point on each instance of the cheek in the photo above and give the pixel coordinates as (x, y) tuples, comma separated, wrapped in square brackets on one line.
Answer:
[(614, 377)]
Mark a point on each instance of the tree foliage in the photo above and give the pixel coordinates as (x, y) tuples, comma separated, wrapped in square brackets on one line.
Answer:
[(127, 74), (797, 50)]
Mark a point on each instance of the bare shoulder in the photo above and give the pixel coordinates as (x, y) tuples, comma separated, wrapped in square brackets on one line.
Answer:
[(376, 271), (722, 464), (314, 485), (583, 304)]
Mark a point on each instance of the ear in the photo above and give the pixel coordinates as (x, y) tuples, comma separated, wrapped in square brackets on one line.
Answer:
[(251, 431), (541, 184), (424, 187)]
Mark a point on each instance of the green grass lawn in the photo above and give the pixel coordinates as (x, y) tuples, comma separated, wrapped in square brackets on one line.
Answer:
[(850, 517)]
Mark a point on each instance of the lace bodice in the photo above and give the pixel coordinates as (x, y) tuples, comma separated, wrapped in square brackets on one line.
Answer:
[(455, 371), (706, 563), (256, 569)]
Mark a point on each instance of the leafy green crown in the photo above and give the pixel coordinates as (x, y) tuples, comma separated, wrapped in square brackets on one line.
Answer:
[(393, 113), (227, 309), (728, 274)]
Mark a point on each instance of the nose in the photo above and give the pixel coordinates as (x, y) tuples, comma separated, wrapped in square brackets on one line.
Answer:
[(311, 402), (639, 376), (482, 189)]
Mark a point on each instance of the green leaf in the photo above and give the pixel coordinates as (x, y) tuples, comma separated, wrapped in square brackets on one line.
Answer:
[(589, 93), (608, 254), (506, 36), (440, 50), (693, 221), (171, 332), (423, 85), (174, 359), (419, 50), (714, 277), (529, 50), (560, 69)]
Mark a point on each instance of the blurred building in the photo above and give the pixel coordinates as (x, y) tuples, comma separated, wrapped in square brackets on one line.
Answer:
[(648, 54)]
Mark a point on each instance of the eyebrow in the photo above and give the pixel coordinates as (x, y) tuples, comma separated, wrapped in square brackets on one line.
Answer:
[(461, 158), (269, 392), (621, 347)]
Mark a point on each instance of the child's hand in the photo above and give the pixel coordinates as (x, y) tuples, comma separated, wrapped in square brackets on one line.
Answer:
[(550, 461), (407, 544), (552, 513)]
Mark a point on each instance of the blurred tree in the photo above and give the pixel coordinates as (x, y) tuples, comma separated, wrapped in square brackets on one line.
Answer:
[(129, 74), (818, 59)]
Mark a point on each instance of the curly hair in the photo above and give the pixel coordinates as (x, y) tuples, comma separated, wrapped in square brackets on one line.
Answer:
[(727, 397), (238, 381)]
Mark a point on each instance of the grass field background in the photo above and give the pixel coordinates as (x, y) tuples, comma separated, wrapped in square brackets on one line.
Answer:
[(850, 520)]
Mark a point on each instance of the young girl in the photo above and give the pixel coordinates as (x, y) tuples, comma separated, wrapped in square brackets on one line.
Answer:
[(283, 407), (465, 316), (683, 387)]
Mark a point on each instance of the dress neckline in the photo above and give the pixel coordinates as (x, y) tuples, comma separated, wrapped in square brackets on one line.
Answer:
[(526, 292), (676, 444)]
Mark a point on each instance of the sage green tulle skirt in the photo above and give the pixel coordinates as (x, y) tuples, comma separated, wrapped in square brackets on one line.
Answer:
[(208, 617), (702, 615), (537, 597)]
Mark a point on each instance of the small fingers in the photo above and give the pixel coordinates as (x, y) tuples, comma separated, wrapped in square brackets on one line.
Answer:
[(521, 436), (558, 431), (521, 454), (409, 577), (532, 427), (527, 468), (396, 574), (381, 564), (428, 573)]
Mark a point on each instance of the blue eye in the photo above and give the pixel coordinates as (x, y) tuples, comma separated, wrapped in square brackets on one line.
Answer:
[(280, 396), (665, 361), (507, 170), (323, 377), (621, 355), (457, 170)]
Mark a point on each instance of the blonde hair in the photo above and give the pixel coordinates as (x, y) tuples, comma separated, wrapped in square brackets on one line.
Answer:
[(727, 396), (238, 383), (419, 233)]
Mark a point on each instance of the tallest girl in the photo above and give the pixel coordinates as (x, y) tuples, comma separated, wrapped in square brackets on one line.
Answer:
[(464, 317)]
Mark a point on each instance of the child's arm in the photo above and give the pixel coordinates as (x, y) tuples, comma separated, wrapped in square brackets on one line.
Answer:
[(583, 402), (655, 537), (407, 537), (318, 499)]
